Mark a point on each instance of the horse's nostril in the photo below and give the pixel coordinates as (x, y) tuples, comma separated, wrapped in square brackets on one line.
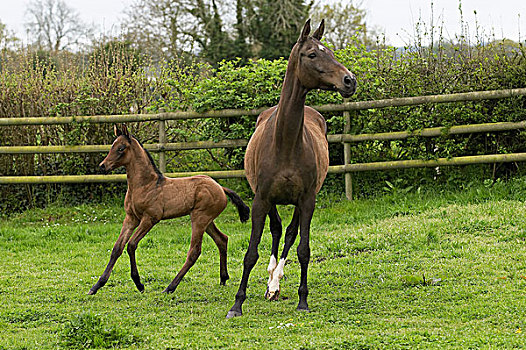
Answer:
[(347, 81)]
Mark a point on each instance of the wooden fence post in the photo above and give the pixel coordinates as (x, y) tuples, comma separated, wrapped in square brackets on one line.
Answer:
[(162, 143), (347, 154)]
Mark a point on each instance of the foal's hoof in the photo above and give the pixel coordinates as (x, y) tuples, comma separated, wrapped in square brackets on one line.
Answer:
[(233, 313), (92, 292), (168, 291), (223, 281), (272, 296)]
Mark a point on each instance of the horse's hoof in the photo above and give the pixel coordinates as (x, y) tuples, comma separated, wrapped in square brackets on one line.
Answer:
[(272, 296), (168, 291), (92, 292), (233, 313), (303, 308)]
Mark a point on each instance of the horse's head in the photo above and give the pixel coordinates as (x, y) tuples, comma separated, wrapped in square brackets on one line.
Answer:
[(120, 152), (316, 66)]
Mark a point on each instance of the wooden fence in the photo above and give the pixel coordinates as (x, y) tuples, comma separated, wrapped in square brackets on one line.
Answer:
[(162, 146)]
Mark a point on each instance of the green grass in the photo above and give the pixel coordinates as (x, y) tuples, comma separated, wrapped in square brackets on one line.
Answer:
[(418, 270)]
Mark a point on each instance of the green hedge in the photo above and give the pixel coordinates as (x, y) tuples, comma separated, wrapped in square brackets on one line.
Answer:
[(115, 80)]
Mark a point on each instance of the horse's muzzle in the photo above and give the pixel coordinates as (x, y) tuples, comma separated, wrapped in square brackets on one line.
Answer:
[(349, 86), (102, 168)]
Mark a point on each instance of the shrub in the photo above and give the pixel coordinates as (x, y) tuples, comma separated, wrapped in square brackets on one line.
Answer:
[(115, 80)]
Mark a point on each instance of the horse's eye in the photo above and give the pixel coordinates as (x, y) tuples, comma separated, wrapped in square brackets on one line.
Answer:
[(312, 55), (121, 149)]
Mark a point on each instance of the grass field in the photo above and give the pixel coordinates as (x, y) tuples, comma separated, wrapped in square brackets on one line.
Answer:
[(435, 269)]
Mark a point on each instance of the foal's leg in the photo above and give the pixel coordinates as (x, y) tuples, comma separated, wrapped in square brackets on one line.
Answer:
[(290, 236), (144, 227), (275, 230), (221, 241), (306, 211), (260, 209), (129, 224), (198, 229)]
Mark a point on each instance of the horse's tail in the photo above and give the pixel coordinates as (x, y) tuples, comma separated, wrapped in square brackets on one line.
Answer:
[(242, 208)]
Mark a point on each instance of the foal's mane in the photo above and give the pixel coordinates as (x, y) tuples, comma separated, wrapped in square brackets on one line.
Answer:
[(160, 176)]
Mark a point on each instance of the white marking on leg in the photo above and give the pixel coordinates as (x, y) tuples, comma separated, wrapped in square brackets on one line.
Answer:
[(272, 264), (280, 267), (271, 267), (273, 285)]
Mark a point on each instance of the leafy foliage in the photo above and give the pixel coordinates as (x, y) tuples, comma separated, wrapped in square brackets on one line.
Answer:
[(116, 79)]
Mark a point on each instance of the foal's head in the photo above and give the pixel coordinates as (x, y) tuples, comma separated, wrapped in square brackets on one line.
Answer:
[(316, 66), (120, 152)]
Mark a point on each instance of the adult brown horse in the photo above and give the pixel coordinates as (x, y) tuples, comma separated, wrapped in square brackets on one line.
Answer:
[(152, 197), (287, 159)]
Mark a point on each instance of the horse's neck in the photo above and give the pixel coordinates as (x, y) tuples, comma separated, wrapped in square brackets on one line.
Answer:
[(290, 112), (140, 171)]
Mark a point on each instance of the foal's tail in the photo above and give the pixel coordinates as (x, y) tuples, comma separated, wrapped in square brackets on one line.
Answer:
[(242, 208)]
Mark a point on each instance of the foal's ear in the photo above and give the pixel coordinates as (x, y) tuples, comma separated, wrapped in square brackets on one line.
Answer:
[(125, 131), (116, 130), (319, 32), (305, 32)]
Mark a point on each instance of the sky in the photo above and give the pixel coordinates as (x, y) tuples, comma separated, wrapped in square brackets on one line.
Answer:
[(395, 18)]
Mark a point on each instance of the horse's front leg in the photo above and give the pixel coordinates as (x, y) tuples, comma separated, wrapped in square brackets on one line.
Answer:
[(144, 227), (306, 212), (260, 209), (129, 224)]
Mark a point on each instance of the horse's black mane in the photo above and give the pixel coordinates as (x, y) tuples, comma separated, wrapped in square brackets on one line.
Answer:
[(160, 175)]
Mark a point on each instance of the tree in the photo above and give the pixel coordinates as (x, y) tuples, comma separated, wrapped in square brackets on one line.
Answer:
[(216, 29), (54, 25), (345, 20), (275, 25), (7, 37), (216, 44), (180, 29), (158, 28)]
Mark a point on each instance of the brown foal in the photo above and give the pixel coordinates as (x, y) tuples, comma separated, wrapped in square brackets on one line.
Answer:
[(152, 197)]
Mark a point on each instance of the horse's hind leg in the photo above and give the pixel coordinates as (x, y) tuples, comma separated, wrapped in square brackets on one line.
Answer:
[(290, 236), (198, 229), (275, 230), (144, 227), (221, 240)]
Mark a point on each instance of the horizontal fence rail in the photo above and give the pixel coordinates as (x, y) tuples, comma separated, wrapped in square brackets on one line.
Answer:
[(225, 113), (231, 174), (337, 138), (345, 138), (155, 147)]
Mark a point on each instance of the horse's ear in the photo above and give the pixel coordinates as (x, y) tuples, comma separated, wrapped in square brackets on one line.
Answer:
[(116, 130), (125, 131), (305, 32), (319, 32)]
